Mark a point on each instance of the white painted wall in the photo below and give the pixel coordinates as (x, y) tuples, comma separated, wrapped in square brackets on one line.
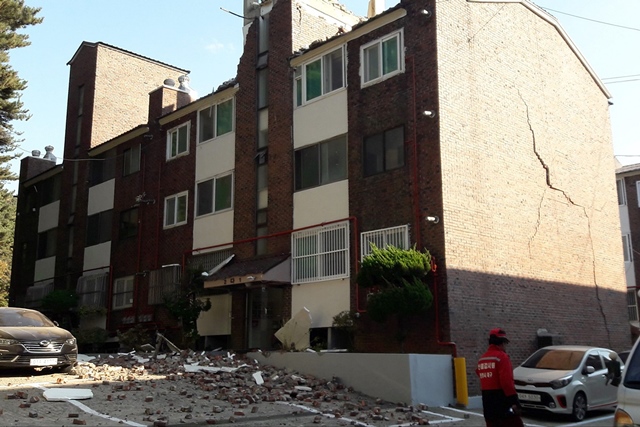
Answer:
[(216, 320), (407, 378), (215, 156), (101, 197), (97, 256), (213, 229), (310, 206), (320, 120), (48, 216), (44, 269), (323, 300)]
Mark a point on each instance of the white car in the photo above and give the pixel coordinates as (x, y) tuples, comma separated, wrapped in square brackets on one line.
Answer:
[(628, 411), (566, 379)]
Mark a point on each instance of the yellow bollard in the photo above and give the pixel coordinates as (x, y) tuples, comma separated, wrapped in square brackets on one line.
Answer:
[(460, 371)]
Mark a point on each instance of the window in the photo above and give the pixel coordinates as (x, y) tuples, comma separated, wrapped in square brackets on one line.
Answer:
[(384, 151), (175, 210), (626, 248), (99, 228), (123, 293), (131, 160), (638, 192), (47, 243), (92, 290), (128, 223), (214, 195), (320, 253), (35, 294), (319, 77), (49, 190), (622, 200), (321, 164), (163, 282), (382, 58), (215, 121), (393, 236), (178, 141), (103, 168)]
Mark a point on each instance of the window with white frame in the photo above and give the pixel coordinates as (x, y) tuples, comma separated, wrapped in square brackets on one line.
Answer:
[(627, 248), (319, 76), (175, 209), (163, 282), (178, 141), (214, 195), (382, 58), (92, 290), (321, 164), (392, 236), (622, 199), (123, 292), (215, 120), (632, 304), (320, 253)]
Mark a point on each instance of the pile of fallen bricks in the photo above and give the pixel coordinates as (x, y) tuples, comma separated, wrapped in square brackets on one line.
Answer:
[(239, 384)]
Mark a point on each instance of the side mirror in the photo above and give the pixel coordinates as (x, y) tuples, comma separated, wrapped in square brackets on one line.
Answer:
[(588, 370)]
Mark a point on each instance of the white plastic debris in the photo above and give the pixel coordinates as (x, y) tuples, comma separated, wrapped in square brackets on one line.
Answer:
[(258, 377), (63, 394)]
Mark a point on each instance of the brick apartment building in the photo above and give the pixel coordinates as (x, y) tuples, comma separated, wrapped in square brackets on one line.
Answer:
[(474, 129), (628, 184)]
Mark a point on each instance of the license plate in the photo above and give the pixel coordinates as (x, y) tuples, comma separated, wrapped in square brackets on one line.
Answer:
[(43, 362), (529, 397)]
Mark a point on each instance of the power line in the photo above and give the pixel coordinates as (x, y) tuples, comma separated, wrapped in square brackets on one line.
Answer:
[(592, 20)]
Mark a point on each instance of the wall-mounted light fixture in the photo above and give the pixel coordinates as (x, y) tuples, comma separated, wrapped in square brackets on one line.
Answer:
[(429, 113), (425, 12), (433, 218)]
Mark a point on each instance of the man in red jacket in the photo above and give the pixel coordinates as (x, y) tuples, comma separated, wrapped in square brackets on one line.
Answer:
[(499, 398)]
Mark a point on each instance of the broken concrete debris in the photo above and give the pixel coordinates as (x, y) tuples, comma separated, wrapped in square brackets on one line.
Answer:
[(212, 388)]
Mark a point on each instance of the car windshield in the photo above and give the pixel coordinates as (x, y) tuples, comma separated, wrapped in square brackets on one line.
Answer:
[(23, 318), (561, 360)]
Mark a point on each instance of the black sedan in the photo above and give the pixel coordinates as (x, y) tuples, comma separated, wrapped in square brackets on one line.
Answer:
[(29, 339)]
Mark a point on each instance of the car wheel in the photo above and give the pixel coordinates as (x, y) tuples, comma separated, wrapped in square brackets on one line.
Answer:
[(579, 408)]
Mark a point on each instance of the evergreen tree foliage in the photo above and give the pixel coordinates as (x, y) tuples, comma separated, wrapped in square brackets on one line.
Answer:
[(14, 16), (396, 277)]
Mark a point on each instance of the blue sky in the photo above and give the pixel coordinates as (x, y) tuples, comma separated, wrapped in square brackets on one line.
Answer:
[(199, 36)]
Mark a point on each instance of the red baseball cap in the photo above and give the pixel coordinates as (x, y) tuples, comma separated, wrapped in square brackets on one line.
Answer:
[(499, 333)]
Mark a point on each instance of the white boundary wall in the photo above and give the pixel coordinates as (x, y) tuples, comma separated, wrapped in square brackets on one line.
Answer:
[(398, 378)]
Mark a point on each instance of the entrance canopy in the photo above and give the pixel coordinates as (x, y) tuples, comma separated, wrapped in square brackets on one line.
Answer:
[(273, 269)]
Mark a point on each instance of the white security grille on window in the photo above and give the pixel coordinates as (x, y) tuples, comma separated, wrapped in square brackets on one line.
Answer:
[(627, 248), (632, 304), (392, 236), (92, 290), (320, 253), (622, 200), (123, 293), (163, 282), (36, 292)]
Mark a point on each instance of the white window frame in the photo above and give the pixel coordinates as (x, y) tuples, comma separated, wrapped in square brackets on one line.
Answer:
[(170, 133), (379, 42), (384, 237), (300, 77), (622, 194), (92, 290), (214, 108), (627, 248), (320, 253), (638, 192), (163, 282), (176, 197), (214, 210), (122, 293)]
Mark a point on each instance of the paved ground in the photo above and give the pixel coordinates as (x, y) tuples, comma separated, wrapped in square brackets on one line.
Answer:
[(135, 391)]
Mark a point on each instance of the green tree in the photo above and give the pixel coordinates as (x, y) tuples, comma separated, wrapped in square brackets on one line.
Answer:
[(186, 306), (396, 277), (14, 16)]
